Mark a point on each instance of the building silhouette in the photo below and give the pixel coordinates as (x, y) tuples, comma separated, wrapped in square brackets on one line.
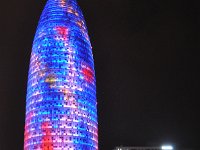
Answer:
[(137, 148), (148, 148), (61, 103), (167, 147)]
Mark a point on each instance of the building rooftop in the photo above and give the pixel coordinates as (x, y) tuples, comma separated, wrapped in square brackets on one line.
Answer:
[(144, 148), (138, 148)]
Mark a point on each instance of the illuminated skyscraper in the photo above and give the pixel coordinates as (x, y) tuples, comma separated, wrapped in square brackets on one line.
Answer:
[(61, 111)]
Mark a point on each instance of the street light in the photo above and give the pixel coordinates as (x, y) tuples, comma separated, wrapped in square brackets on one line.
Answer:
[(167, 147)]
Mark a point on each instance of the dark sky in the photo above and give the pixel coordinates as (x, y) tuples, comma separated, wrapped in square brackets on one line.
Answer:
[(146, 62)]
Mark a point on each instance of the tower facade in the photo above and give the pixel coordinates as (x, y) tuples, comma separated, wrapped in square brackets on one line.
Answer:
[(61, 111)]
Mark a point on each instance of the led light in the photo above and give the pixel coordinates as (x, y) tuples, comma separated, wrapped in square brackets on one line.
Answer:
[(61, 108), (167, 147)]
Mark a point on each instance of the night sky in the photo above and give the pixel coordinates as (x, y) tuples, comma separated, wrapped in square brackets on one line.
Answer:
[(146, 63)]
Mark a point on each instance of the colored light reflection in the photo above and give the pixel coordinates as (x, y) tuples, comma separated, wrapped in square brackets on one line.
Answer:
[(61, 94)]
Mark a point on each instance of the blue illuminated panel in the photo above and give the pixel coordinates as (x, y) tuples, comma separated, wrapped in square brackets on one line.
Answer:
[(61, 111)]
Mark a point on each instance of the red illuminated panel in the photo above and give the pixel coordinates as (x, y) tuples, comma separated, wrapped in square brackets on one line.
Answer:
[(62, 30), (47, 143), (88, 75)]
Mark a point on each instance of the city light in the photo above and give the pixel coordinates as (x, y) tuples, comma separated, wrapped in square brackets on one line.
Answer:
[(61, 110), (167, 147)]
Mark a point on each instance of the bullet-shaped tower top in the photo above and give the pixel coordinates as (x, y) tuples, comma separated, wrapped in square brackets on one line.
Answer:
[(61, 110)]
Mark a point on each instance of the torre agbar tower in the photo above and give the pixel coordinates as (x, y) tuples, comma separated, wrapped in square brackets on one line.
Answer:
[(61, 111)]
